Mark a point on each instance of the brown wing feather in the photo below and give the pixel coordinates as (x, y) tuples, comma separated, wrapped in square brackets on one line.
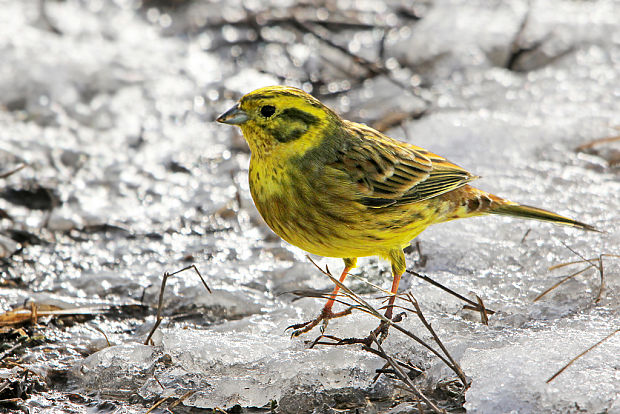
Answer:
[(389, 172)]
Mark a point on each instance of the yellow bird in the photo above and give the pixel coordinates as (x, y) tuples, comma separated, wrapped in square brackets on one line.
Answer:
[(337, 188)]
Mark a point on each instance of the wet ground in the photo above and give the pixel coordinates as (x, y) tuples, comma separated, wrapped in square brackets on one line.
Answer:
[(113, 172)]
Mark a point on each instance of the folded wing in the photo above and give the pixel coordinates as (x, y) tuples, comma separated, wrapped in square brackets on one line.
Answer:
[(387, 172)]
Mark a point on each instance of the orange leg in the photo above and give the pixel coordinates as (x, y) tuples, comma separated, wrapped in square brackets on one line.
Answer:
[(328, 306), (395, 282), (326, 314)]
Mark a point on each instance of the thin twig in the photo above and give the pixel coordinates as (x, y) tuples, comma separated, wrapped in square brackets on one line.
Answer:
[(157, 404), (456, 368), (13, 171), (183, 398), (104, 335), (365, 307), (374, 68), (484, 317), (11, 349), (596, 263), (161, 296), (405, 378), (582, 354), (450, 291), (596, 142), (592, 262), (558, 283)]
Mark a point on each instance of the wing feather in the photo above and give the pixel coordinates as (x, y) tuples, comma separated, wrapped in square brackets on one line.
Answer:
[(388, 172)]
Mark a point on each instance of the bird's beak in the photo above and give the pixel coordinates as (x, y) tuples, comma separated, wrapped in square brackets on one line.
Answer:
[(234, 116)]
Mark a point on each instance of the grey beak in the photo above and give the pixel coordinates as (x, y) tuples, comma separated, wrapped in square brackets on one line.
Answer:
[(234, 116)]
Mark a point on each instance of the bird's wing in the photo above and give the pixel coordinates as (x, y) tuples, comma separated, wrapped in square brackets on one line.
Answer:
[(388, 172)]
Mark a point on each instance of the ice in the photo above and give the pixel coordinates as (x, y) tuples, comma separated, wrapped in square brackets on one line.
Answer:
[(225, 368), (511, 368)]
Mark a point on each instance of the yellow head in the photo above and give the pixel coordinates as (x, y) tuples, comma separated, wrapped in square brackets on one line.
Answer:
[(276, 118)]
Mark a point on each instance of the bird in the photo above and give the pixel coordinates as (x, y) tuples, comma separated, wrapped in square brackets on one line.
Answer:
[(337, 188)]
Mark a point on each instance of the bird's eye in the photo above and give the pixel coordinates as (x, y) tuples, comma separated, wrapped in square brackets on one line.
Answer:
[(267, 110)]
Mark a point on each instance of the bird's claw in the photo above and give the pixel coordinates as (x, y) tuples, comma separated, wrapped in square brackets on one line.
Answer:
[(301, 328), (324, 317)]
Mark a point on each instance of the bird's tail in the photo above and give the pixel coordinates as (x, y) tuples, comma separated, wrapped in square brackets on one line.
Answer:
[(477, 202), (519, 210)]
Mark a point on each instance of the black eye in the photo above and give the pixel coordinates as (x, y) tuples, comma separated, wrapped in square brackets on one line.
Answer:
[(267, 110)]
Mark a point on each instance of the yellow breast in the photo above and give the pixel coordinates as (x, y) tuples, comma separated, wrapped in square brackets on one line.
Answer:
[(321, 215)]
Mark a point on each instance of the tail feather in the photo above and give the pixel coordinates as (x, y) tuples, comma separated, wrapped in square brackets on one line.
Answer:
[(528, 212)]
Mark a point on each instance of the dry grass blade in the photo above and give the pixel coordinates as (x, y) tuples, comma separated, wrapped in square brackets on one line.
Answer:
[(405, 378), (474, 306), (597, 142), (399, 306), (596, 263), (576, 253), (161, 296), (558, 283), (554, 376), (527, 233), (33, 312)]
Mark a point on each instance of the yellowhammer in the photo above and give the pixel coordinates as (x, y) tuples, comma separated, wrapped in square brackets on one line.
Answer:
[(337, 188)]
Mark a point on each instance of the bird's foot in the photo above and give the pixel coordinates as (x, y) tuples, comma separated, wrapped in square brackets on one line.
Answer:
[(324, 316)]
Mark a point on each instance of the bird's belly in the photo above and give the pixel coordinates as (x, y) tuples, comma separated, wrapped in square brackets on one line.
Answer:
[(327, 230)]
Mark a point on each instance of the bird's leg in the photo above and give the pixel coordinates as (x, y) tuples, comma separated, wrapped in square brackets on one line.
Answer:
[(382, 330), (326, 314), (397, 258)]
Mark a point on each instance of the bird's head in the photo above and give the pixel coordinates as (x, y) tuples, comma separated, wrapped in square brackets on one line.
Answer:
[(277, 117)]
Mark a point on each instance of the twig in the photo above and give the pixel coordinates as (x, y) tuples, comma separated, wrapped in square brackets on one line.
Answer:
[(157, 404), (582, 354), (374, 68), (527, 233), (159, 382), (365, 307), (104, 335), (161, 296), (594, 143), (596, 263), (450, 291), (558, 283), (13, 171), (183, 398), (11, 349), (456, 368), (23, 315), (405, 378)]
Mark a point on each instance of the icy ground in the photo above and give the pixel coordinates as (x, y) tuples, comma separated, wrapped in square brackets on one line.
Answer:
[(110, 105)]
